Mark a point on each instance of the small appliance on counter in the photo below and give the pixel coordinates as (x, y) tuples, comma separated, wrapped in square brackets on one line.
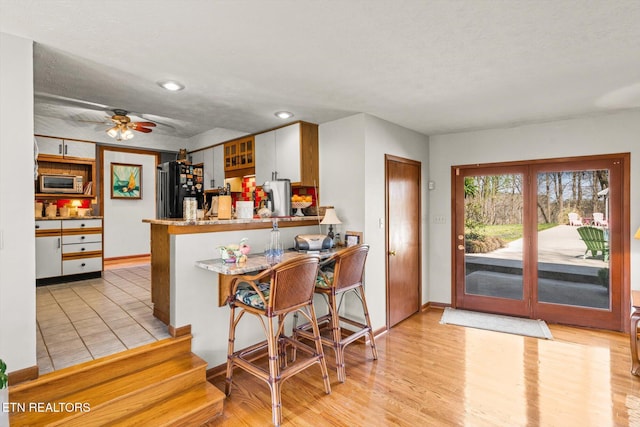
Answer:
[(312, 242), (61, 183), (278, 196)]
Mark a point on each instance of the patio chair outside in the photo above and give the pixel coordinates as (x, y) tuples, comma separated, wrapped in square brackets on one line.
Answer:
[(574, 219), (598, 219), (594, 238)]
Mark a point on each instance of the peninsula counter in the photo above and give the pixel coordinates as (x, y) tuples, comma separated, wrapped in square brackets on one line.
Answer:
[(184, 294)]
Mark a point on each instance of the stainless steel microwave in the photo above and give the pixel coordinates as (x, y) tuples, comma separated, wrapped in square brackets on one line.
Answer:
[(52, 183)]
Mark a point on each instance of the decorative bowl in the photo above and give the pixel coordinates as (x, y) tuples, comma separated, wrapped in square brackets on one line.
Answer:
[(299, 206)]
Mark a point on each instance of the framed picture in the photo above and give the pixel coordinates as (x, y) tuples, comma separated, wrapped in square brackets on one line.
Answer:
[(352, 238), (126, 181)]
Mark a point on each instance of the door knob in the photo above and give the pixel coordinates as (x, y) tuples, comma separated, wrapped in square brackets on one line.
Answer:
[(392, 253), (461, 247)]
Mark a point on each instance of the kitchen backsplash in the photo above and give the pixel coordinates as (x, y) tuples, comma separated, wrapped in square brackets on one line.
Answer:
[(249, 187)]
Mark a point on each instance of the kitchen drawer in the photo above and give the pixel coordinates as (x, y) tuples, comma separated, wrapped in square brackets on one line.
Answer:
[(81, 238), (81, 247), (82, 265), (48, 225), (81, 223)]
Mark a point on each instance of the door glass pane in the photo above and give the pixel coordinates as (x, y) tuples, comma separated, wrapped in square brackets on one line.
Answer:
[(493, 235), (573, 238)]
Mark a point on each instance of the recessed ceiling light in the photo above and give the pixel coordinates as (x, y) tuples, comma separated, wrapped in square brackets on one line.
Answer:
[(171, 85), (284, 114)]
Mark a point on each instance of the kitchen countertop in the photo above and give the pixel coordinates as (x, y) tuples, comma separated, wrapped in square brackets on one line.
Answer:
[(255, 262), (216, 221), (44, 218)]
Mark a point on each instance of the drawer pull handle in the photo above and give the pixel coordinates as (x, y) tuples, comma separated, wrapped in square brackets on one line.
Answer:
[(82, 249), (37, 226), (82, 237), (82, 225), (83, 264)]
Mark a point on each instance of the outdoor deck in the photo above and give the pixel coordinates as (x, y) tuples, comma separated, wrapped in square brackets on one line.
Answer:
[(565, 276)]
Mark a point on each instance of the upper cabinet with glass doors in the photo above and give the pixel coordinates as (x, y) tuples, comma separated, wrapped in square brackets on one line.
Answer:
[(239, 157)]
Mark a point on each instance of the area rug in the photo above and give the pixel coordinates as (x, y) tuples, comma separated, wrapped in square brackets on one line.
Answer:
[(494, 322)]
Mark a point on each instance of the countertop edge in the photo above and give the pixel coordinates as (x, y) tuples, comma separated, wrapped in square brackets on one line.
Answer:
[(182, 223)]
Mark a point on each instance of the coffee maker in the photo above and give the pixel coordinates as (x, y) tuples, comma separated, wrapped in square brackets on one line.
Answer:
[(278, 196)]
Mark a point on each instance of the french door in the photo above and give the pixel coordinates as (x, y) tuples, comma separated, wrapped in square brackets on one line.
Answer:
[(544, 239)]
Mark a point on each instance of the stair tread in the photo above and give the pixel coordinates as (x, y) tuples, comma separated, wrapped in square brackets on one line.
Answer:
[(191, 407), (49, 386), (119, 387)]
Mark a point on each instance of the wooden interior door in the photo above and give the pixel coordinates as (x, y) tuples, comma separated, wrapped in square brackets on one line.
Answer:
[(403, 201)]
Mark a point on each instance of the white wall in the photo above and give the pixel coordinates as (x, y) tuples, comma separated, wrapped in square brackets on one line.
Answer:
[(352, 178), (124, 232), (17, 225), (615, 133), (212, 137)]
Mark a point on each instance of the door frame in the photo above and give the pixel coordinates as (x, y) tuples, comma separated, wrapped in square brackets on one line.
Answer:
[(622, 250), (391, 158)]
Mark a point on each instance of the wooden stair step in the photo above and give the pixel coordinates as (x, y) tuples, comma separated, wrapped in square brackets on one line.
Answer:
[(123, 394), (52, 386), (192, 407)]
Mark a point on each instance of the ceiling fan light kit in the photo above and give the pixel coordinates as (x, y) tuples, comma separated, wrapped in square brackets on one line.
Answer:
[(122, 130), (171, 85)]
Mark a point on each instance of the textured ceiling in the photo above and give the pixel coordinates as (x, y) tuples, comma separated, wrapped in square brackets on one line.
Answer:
[(431, 66)]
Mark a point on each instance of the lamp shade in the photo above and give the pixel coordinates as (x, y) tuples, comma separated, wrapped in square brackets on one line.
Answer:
[(330, 217), (637, 235)]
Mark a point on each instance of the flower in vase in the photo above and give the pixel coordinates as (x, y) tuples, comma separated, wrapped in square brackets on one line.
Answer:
[(244, 246), (229, 251)]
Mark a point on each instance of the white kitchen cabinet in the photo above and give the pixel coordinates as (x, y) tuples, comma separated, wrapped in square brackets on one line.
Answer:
[(207, 168), (48, 249), (81, 246), (291, 151), (197, 157), (66, 148), (218, 166), (278, 151), (65, 247)]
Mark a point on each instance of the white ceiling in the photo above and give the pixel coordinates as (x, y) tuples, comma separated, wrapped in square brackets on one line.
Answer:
[(431, 66)]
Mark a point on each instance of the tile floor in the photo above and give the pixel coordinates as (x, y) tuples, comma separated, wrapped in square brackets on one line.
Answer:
[(89, 319)]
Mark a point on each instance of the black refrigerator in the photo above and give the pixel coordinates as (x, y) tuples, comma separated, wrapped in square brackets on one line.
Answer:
[(175, 181)]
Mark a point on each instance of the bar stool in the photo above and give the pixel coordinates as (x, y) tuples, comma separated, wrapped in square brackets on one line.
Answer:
[(283, 289), (338, 275)]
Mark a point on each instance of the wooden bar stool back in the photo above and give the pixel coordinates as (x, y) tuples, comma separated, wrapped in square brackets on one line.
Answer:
[(284, 289), (348, 270)]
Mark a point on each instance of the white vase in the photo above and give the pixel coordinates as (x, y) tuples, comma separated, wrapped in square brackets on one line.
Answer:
[(4, 416)]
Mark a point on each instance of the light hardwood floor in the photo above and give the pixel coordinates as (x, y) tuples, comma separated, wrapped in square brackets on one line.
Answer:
[(430, 374)]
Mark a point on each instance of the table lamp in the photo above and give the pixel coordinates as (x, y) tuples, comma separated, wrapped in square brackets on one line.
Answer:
[(330, 219)]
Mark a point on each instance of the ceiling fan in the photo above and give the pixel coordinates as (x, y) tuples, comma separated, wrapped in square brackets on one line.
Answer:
[(123, 126)]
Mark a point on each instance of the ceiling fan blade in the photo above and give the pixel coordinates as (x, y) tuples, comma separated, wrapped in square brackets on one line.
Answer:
[(141, 129), (137, 126), (147, 124)]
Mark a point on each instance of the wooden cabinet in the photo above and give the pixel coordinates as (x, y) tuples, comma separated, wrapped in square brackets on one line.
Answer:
[(67, 247), (48, 249), (79, 160), (65, 148), (289, 152), (239, 157)]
